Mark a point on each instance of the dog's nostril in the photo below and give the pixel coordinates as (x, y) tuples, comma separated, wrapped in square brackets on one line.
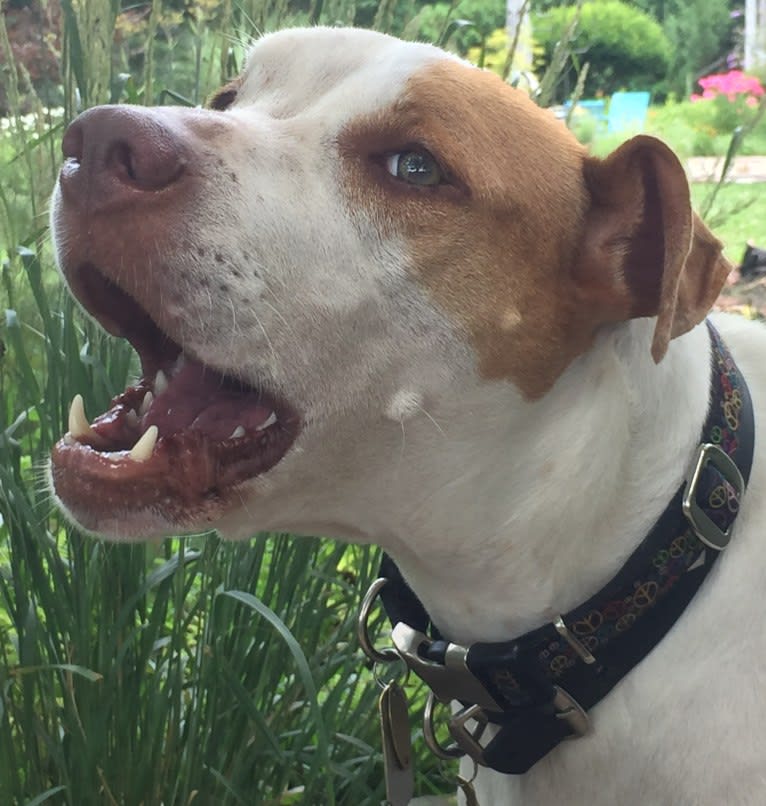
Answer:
[(113, 151), (72, 142), (122, 162)]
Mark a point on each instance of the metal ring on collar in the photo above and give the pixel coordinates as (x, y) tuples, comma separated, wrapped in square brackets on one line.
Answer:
[(429, 734), (377, 655)]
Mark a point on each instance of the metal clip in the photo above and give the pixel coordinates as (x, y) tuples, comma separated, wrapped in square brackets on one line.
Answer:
[(707, 531), (451, 680), (468, 740), (397, 749)]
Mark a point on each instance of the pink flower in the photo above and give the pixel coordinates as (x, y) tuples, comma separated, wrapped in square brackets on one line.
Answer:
[(731, 84)]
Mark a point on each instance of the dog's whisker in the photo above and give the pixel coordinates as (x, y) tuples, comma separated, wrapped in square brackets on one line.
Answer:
[(432, 419), (281, 318), (274, 354)]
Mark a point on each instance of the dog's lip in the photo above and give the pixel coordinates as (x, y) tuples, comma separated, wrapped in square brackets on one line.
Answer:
[(191, 462), (182, 437), (185, 473), (122, 315)]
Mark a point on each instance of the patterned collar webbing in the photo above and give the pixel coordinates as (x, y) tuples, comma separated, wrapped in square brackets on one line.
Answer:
[(624, 620)]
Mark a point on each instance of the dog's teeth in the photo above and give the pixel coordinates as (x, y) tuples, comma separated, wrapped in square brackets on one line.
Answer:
[(160, 383), (79, 426), (132, 417), (238, 432), (146, 403), (271, 420), (142, 450), (179, 364)]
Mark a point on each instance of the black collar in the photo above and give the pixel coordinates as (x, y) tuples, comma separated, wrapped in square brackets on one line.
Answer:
[(538, 688)]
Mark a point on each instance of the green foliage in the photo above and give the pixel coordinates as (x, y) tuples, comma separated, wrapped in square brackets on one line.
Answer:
[(702, 128), (625, 47), (738, 215), (484, 16), (698, 31)]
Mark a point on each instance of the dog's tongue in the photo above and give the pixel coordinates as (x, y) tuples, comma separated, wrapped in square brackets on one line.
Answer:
[(201, 399)]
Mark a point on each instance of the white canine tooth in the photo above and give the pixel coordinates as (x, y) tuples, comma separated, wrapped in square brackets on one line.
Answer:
[(132, 417), (146, 403), (238, 432), (179, 364), (160, 383), (79, 426), (142, 450), (271, 420)]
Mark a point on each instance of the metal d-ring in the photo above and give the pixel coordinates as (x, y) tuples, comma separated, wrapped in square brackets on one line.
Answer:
[(377, 655), (429, 734)]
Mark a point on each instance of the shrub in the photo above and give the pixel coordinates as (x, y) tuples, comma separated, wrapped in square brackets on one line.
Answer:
[(699, 32), (484, 16), (625, 47), (493, 54)]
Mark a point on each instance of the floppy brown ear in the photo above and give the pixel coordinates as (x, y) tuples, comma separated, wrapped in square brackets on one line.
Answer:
[(644, 252)]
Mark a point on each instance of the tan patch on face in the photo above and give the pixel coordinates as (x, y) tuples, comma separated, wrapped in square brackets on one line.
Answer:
[(495, 245)]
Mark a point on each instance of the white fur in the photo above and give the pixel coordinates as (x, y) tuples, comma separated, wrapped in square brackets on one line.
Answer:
[(500, 512)]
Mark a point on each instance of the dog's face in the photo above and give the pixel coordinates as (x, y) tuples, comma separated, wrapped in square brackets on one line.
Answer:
[(358, 232)]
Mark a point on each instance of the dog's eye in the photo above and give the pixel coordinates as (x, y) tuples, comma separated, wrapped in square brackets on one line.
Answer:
[(415, 167)]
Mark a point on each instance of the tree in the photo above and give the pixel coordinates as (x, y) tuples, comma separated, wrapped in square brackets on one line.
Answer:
[(699, 32), (625, 47)]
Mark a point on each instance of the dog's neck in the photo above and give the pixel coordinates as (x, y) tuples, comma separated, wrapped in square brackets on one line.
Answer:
[(491, 546)]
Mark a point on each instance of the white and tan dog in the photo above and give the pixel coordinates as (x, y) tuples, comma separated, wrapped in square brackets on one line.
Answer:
[(378, 294)]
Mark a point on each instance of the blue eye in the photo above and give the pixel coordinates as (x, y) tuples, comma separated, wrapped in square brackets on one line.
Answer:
[(414, 167)]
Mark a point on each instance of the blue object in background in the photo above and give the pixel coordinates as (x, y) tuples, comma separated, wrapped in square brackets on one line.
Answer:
[(627, 110)]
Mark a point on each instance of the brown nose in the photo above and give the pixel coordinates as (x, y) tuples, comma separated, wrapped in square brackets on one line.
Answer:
[(115, 153)]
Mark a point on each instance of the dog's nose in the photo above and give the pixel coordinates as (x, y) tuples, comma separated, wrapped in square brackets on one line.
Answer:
[(113, 153)]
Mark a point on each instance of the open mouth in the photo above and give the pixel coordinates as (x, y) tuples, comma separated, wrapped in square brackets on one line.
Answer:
[(174, 442)]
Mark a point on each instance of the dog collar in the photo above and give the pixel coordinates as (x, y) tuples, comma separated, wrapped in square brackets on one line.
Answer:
[(538, 688)]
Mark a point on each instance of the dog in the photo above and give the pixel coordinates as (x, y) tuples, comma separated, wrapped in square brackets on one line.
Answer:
[(381, 295)]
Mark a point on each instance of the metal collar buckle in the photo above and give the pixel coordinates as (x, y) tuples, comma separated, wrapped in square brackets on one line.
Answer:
[(451, 680), (707, 531), (467, 727)]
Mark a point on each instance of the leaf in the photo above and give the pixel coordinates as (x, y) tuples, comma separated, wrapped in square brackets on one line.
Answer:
[(323, 742), (45, 795)]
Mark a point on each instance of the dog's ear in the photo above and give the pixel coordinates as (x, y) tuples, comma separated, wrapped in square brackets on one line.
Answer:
[(644, 253)]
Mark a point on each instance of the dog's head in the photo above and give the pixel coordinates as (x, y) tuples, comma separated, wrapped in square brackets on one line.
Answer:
[(357, 232)]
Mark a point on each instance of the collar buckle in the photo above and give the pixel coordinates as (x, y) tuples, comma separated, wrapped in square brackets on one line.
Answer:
[(710, 455), (568, 709), (450, 679), (467, 727)]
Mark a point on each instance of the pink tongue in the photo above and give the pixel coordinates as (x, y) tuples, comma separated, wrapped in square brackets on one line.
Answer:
[(199, 398)]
